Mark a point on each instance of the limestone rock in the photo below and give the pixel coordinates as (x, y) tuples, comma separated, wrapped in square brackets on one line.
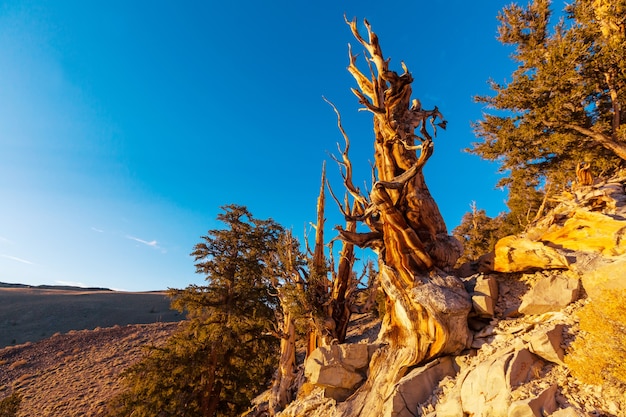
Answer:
[(610, 275), (485, 296), (352, 356), (550, 293), (568, 412), (519, 254), (541, 405), (589, 232), (486, 391), (331, 375), (338, 394), (311, 406), (415, 387), (548, 345), (337, 366)]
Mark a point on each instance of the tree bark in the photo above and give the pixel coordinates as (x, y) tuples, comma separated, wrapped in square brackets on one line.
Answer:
[(427, 308), (333, 296), (283, 385)]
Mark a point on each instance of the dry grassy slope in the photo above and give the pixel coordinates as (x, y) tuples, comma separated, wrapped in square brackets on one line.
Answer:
[(73, 343), (32, 314), (75, 374)]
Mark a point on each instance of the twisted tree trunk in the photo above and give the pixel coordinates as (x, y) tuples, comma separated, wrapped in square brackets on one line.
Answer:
[(426, 307), (282, 390)]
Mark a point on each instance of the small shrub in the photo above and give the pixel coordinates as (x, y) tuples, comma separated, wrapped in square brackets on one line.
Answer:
[(598, 355), (10, 405)]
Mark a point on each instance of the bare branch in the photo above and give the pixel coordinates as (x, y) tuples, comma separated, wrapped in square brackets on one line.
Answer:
[(346, 163)]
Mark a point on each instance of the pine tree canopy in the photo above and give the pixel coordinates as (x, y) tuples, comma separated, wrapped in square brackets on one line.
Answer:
[(225, 353), (563, 103)]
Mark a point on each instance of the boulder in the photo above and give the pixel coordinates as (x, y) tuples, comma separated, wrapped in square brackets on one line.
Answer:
[(519, 254), (548, 345), (485, 296), (541, 405), (486, 390), (550, 293), (418, 385), (331, 375), (611, 275), (337, 366)]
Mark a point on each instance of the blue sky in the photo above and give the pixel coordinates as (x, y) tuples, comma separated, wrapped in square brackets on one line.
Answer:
[(125, 125)]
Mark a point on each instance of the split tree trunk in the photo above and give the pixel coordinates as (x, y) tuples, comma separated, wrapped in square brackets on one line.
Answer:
[(332, 304), (426, 307)]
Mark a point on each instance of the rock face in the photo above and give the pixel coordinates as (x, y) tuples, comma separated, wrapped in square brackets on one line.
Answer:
[(591, 221), (589, 231), (418, 385), (610, 275), (486, 389), (542, 405), (519, 254)]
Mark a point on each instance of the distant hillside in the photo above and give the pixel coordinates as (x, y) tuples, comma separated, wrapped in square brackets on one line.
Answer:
[(53, 287), (29, 314)]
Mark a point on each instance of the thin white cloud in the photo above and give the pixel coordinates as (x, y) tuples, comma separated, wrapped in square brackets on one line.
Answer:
[(152, 243), (95, 229), (16, 259), (5, 240)]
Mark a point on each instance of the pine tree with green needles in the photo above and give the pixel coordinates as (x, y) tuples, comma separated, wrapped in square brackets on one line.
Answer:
[(479, 233), (224, 353), (565, 102)]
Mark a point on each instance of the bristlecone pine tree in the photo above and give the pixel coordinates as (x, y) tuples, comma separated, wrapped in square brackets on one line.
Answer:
[(563, 104), (313, 290), (479, 233), (225, 353), (426, 308)]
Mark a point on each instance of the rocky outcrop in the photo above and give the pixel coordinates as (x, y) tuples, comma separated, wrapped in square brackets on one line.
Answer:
[(523, 320), (609, 274), (486, 390), (588, 231), (550, 293), (588, 223), (520, 254)]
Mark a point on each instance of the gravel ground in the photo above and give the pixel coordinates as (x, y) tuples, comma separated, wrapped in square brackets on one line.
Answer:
[(76, 373)]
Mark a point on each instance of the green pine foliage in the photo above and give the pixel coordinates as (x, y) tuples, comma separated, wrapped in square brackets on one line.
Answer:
[(479, 233), (224, 353), (564, 102)]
